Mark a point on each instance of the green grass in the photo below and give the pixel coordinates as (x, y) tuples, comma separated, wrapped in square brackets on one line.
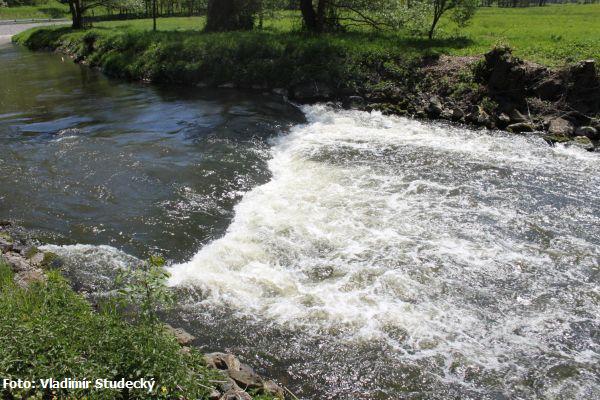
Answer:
[(551, 35), (52, 9), (49, 331)]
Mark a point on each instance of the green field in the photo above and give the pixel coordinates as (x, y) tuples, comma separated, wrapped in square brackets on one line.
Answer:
[(551, 35), (52, 9)]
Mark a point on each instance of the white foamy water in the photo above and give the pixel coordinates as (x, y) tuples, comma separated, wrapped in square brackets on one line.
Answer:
[(464, 250)]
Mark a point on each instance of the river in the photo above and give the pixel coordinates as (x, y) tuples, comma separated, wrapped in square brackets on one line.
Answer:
[(347, 254)]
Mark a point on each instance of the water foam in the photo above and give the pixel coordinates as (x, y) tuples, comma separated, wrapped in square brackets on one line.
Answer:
[(437, 239)]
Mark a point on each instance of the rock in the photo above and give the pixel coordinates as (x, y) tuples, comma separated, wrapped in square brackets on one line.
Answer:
[(245, 377), (222, 361), (311, 91), (4, 223), (560, 126), (583, 87), (5, 245), (553, 139), (21, 248), (434, 109), (228, 384), (273, 389), (505, 74), (457, 114), (520, 127), (516, 117), (214, 395), (16, 262), (235, 395), (183, 338), (27, 277), (51, 260), (353, 102), (549, 89), (37, 259), (447, 114), (582, 142), (479, 117), (587, 131), (503, 120)]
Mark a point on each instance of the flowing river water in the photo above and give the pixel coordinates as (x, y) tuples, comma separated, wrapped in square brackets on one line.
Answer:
[(347, 254)]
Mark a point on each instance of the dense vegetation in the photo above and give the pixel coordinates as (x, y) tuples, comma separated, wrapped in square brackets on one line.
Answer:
[(61, 336)]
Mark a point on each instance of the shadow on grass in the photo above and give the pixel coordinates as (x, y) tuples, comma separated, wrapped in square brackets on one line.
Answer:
[(393, 43), (43, 38), (54, 12)]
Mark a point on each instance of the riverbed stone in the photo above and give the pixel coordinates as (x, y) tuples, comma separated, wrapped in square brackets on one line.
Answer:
[(560, 126), (520, 127), (587, 131), (222, 361), (582, 142), (17, 262), (549, 89), (246, 378), (5, 245), (516, 116), (183, 338), (273, 389), (503, 120), (236, 395), (25, 278), (435, 107)]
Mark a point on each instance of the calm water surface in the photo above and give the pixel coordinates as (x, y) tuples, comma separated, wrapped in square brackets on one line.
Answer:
[(347, 254)]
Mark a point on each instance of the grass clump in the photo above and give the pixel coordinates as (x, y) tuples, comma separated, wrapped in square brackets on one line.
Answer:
[(49, 331)]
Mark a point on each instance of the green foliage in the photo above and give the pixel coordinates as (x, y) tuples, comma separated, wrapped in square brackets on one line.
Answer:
[(146, 288), (48, 331)]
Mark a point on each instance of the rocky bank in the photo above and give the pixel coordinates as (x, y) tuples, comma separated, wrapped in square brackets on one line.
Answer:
[(239, 379)]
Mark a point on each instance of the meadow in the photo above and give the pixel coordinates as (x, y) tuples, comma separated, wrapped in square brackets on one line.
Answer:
[(553, 35)]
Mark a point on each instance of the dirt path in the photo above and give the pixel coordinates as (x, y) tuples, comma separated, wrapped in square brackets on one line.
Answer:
[(8, 30)]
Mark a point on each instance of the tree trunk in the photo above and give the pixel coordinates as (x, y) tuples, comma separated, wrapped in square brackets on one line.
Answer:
[(76, 14), (308, 15), (230, 15)]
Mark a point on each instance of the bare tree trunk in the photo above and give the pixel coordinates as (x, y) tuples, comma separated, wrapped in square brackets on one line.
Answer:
[(76, 14), (308, 15), (230, 15)]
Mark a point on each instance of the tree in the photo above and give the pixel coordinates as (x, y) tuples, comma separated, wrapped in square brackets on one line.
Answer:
[(462, 12), (78, 8), (326, 15), (231, 15)]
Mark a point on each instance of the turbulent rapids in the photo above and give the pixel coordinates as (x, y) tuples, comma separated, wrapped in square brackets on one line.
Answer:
[(472, 255), (349, 255)]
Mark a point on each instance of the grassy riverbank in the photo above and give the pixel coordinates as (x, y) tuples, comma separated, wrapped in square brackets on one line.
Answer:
[(552, 35), (61, 336)]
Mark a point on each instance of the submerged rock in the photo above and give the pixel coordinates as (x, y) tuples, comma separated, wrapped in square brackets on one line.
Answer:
[(183, 338), (520, 127), (560, 126), (587, 131), (582, 142)]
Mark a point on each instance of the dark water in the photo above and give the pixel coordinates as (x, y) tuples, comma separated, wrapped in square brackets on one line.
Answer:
[(90, 160), (347, 254)]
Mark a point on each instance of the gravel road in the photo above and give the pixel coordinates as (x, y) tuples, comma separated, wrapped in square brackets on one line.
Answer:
[(7, 30)]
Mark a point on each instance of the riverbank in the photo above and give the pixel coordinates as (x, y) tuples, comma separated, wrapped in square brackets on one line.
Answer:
[(495, 91), (103, 340)]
